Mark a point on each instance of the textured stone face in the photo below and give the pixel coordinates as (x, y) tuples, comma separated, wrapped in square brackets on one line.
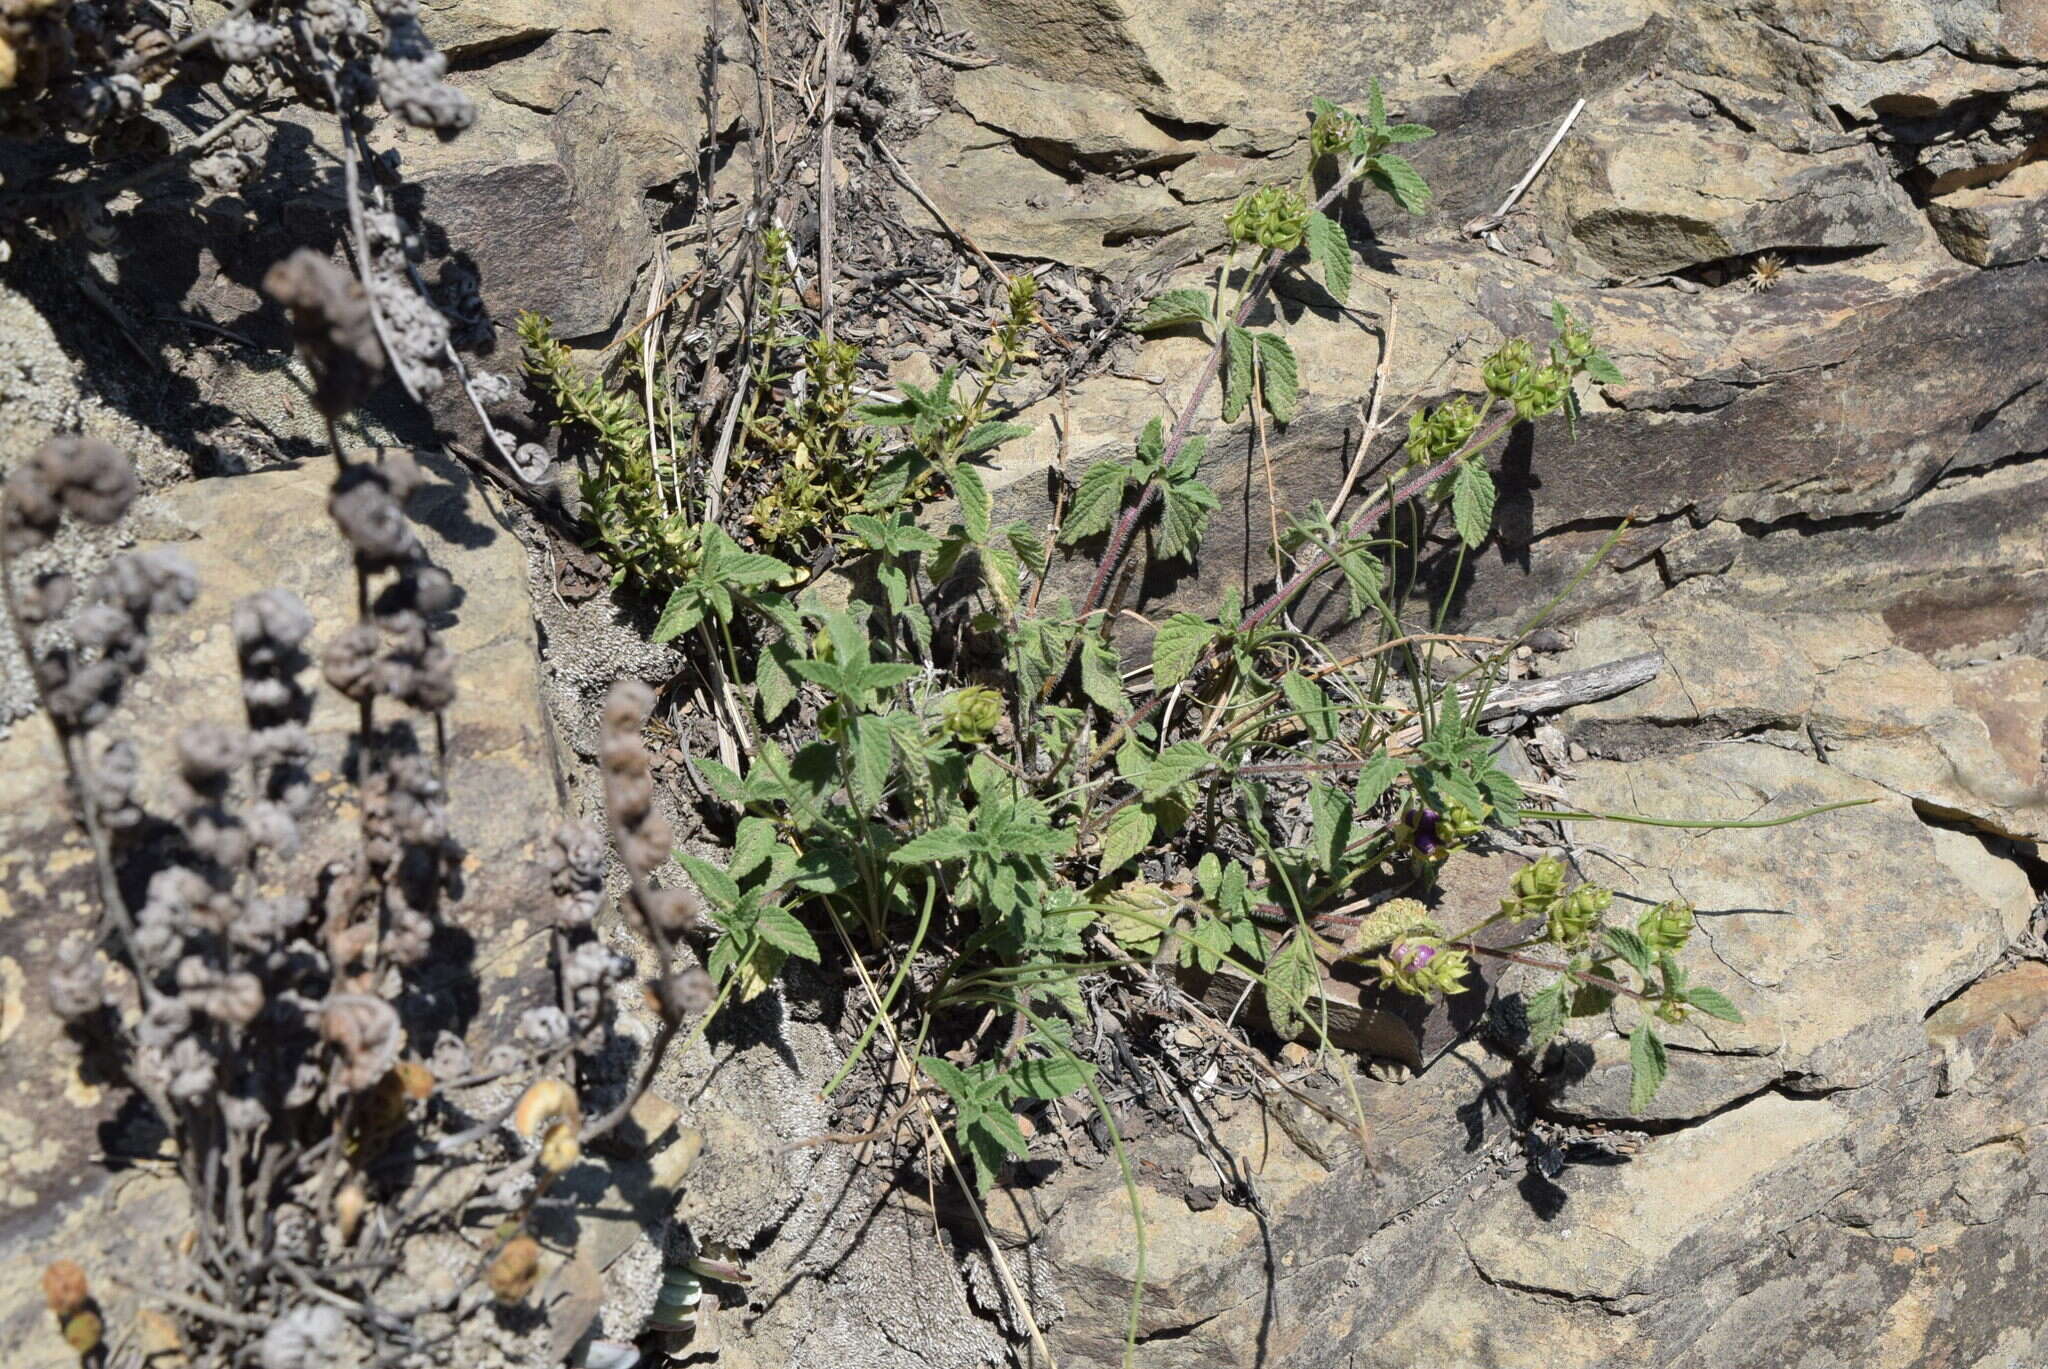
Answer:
[(1839, 554)]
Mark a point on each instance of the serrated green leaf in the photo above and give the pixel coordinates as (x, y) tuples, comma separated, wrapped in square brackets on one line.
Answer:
[(1001, 1126), (1184, 517), (1128, 833), (752, 846), (774, 690), (1239, 352), (1398, 178), (1050, 1078), (756, 972), (1330, 811), (1176, 647), (750, 568), (941, 843), (989, 434), (895, 585), (1206, 943), (1330, 249), (1377, 776), (1376, 108), (1096, 502), (716, 884), (920, 627), (1293, 978), (1172, 768), (1601, 369), (1102, 676), (684, 610), (1152, 443), (1279, 377), (1629, 947), (1713, 1003), (779, 928), (1472, 501), (1307, 699), (1648, 1066), (1546, 1011), (951, 1078), (975, 503), (1188, 459), (1028, 545), (1407, 133), (724, 782), (872, 757), (1174, 307)]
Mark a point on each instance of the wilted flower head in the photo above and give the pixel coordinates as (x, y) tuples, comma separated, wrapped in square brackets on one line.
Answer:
[(575, 861), (269, 627), (332, 325), (78, 986), (367, 1036), (642, 833)]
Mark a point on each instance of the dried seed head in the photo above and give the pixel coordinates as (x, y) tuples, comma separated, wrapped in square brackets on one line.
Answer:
[(268, 627), (78, 987), (416, 1079), (350, 662), (545, 1100), (575, 860), (303, 1336), (349, 1205), (367, 1034), (332, 324), (559, 1149), (515, 1270), (65, 1288), (208, 754), (544, 1028), (366, 509), (675, 911), (686, 993), (94, 482)]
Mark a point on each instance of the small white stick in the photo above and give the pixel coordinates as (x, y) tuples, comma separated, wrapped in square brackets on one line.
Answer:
[(1372, 421), (1495, 219)]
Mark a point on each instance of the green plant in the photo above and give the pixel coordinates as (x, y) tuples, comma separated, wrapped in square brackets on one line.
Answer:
[(992, 812)]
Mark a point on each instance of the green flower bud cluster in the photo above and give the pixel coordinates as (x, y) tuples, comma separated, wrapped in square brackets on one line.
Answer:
[(1574, 916), (1023, 299), (1667, 927), (971, 714), (1573, 346), (1538, 890), (1424, 966), (1534, 888), (1541, 391), (1271, 216), (1504, 368), (1512, 374), (1332, 134), (1434, 434)]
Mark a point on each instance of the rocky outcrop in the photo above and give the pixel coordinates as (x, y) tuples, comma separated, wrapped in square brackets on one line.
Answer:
[(1838, 497), (1858, 402)]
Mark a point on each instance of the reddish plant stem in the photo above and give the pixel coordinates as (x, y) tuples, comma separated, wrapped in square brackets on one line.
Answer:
[(1323, 561), (1262, 280)]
